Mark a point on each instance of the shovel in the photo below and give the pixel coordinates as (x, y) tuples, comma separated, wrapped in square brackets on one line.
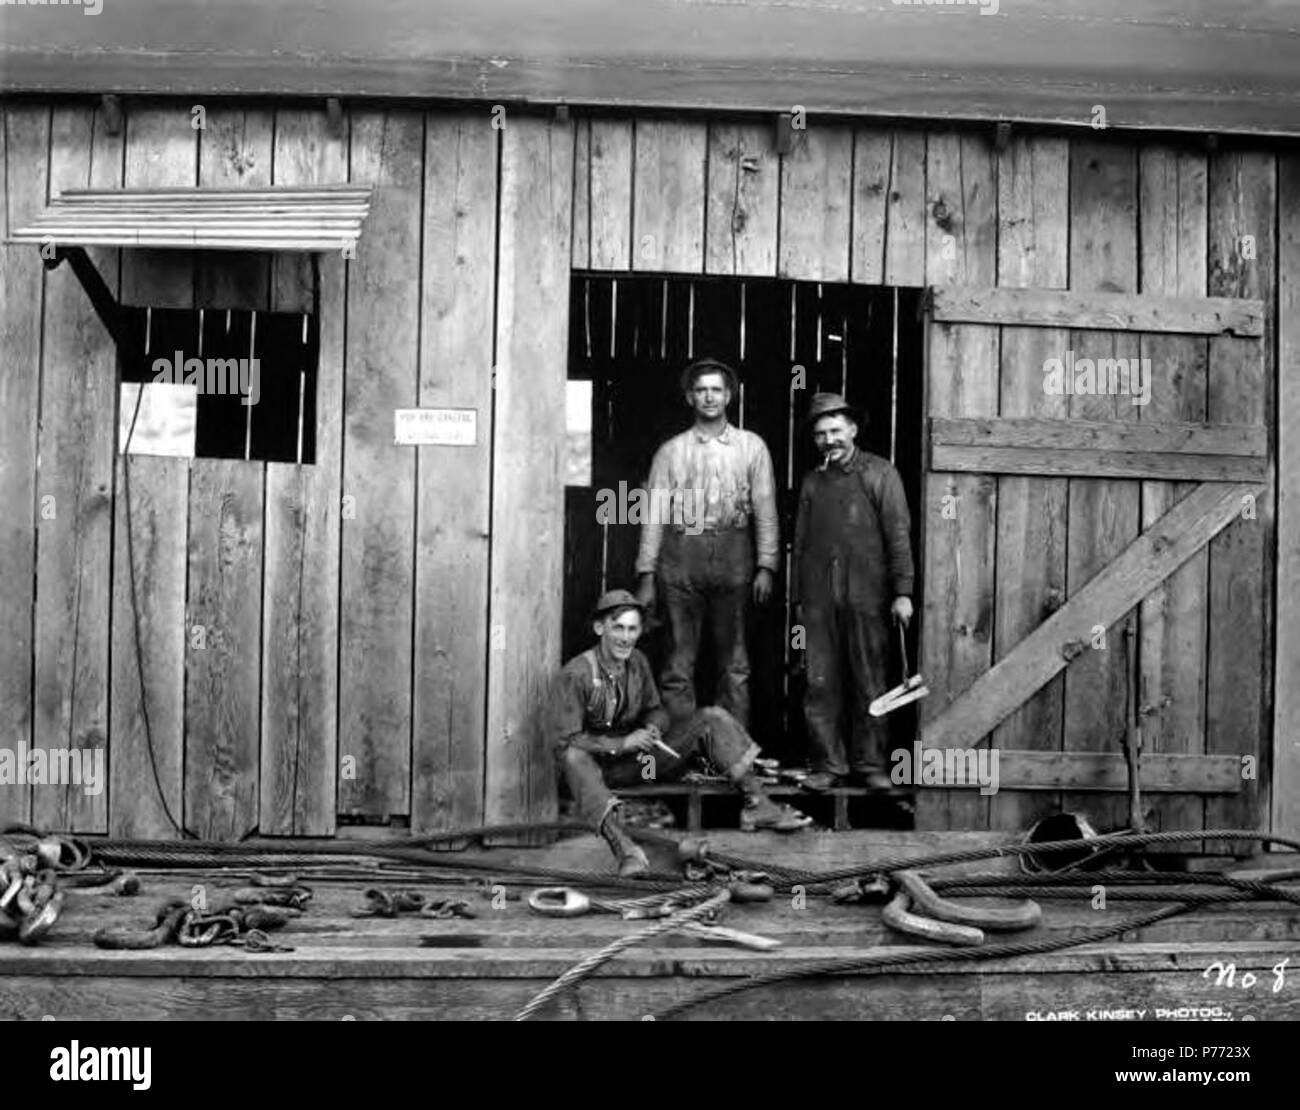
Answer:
[(912, 689)]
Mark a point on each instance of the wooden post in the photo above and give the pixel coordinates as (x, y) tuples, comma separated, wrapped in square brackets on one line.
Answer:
[(78, 445), (161, 150), (453, 509), (526, 577), (1286, 709), (960, 509), (1033, 226), (223, 670), (378, 523), (1243, 197), (1103, 513), (26, 142), (1174, 215), (300, 609)]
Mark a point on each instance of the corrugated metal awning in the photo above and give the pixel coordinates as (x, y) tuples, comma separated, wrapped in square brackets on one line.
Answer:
[(322, 218)]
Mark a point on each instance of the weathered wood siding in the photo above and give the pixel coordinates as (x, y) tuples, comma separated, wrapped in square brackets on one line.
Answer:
[(370, 635), (1081, 213), (1286, 709), (289, 617)]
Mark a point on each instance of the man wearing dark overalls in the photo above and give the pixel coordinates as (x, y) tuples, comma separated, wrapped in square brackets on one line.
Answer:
[(713, 481), (851, 573)]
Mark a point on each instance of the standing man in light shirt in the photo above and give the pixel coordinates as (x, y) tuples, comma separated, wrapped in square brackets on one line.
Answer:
[(721, 476)]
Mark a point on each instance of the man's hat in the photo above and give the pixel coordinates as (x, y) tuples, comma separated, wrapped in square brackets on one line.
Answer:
[(829, 404), (611, 600), (709, 366)]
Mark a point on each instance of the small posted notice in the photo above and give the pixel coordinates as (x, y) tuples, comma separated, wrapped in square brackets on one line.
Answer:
[(428, 427)]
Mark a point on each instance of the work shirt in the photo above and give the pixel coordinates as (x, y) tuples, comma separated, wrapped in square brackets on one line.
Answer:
[(592, 707), (714, 483), (852, 537)]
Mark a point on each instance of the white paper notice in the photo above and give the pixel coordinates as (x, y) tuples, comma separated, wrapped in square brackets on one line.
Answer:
[(426, 427)]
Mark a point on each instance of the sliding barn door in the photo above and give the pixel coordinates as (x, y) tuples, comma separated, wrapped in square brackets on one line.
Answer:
[(1132, 492)]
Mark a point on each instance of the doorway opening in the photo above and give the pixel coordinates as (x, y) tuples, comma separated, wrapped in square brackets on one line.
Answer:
[(630, 337)]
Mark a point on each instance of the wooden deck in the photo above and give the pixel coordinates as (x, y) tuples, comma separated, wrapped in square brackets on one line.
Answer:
[(489, 967)]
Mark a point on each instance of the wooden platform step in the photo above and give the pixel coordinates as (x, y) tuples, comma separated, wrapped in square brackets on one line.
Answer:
[(412, 983), (694, 793)]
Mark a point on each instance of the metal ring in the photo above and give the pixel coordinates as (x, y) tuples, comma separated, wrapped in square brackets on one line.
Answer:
[(559, 901)]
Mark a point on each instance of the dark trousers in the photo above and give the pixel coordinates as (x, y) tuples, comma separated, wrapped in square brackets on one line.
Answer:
[(712, 732), (847, 651), (706, 582)]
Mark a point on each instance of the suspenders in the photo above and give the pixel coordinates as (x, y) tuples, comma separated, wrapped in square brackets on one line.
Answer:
[(600, 704)]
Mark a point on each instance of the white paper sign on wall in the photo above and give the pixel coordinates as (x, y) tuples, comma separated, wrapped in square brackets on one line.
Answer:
[(426, 427)]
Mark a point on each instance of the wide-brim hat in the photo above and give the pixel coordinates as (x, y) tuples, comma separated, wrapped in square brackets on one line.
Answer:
[(709, 366), (829, 404), (611, 600)]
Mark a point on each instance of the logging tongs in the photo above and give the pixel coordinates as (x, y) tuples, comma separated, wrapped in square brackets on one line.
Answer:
[(912, 689)]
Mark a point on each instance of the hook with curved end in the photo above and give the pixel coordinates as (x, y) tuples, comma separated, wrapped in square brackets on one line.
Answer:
[(996, 919), (36, 926), (897, 916)]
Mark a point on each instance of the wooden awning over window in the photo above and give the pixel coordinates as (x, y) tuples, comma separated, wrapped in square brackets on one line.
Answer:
[(324, 218)]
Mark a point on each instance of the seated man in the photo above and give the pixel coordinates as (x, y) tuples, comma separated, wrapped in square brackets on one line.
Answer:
[(608, 728)]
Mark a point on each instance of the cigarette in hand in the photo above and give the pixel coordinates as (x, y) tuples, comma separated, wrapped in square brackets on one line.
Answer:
[(664, 747)]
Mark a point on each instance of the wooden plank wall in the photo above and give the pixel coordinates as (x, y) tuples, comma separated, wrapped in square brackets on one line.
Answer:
[(26, 164), (352, 607), (1033, 214), (1103, 513), (150, 525), (526, 579), (1286, 711), (453, 516), (929, 208), (77, 448), (224, 615), (1241, 388), (291, 616), (1173, 210), (300, 595), (960, 510)]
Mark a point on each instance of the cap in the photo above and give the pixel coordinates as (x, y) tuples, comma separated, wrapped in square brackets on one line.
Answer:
[(828, 404), (709, 366), (615, 599)]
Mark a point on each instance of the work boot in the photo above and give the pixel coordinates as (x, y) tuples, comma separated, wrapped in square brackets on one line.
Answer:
[(761, 812), (631, 860), (874, 780), (821, 780)]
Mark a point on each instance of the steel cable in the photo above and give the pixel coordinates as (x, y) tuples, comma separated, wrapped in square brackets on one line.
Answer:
[(586, 967), (971, 855), (847, 965)]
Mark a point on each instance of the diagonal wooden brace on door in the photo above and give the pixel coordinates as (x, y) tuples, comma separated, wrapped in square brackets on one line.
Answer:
[(1143, 565)]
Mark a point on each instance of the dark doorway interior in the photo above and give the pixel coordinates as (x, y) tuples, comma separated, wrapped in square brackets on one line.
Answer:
[(630, 337)]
